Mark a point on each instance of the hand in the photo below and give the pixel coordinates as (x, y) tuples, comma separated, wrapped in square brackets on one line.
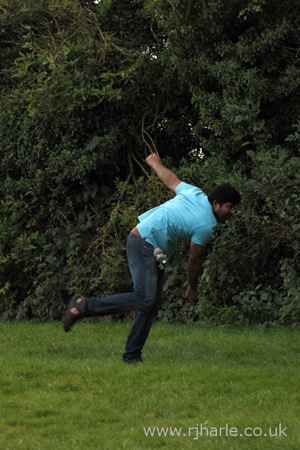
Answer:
[(153, 159), (191, 294)]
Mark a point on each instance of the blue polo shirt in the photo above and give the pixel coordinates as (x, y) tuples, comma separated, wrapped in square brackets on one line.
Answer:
[(188, 215)]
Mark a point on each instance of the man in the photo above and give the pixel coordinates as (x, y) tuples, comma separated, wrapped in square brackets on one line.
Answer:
[(189, 215)]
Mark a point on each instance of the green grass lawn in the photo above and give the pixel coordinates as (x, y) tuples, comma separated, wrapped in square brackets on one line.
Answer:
[(215, 385)]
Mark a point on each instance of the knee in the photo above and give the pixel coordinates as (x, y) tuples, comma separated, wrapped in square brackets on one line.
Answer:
[(147, 303)]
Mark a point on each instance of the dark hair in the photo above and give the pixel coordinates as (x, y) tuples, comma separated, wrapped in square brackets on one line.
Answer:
[(224, 193)]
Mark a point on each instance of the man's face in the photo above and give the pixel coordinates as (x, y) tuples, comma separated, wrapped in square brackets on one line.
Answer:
[(224, 211)]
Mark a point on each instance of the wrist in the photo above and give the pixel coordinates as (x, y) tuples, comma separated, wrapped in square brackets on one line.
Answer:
[(155, 165)]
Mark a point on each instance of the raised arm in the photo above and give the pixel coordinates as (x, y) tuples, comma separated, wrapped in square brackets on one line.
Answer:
[(168, 177)]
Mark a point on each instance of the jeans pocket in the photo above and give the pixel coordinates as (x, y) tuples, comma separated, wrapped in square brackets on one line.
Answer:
[(147, 250)]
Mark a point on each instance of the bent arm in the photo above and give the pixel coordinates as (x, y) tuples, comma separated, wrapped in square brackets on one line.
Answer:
[(195, 267), (168, 177)]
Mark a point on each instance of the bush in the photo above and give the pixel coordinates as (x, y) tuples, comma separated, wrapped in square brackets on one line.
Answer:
[(86, 87), (251, 274)]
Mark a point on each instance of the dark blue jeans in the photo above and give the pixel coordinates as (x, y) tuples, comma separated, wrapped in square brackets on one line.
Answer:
[(146, 297)]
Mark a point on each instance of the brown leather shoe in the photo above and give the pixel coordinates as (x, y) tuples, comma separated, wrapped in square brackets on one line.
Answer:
[(135, 360), (74, 312)]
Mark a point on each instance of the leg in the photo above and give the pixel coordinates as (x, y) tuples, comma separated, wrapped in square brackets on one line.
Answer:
[(143, 269), (142, 325), (144, 273)]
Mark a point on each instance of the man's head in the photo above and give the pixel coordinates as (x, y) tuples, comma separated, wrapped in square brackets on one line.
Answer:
[(224, 200)]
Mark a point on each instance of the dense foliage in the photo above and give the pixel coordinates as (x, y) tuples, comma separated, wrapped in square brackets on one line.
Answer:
[(88, 88)]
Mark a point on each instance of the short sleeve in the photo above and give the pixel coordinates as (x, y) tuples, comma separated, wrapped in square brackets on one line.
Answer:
[(202, 235), (187, 189)]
